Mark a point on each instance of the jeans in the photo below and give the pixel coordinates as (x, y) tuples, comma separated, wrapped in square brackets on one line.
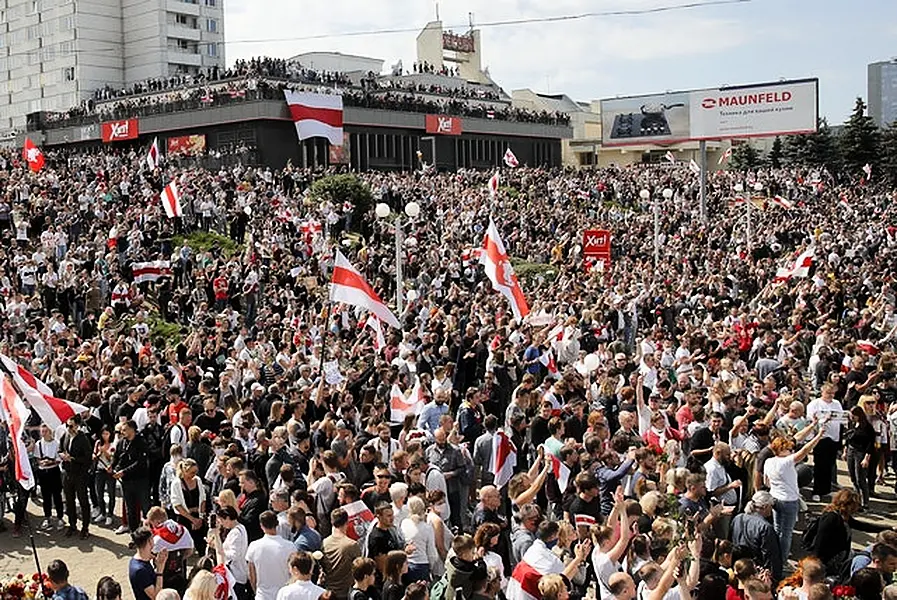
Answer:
[(859, 475), (105, 486), (784, 517), (824, 457), (417, 572)]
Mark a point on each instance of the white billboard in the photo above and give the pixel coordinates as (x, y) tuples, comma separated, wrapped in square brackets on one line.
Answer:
[(782, 108)]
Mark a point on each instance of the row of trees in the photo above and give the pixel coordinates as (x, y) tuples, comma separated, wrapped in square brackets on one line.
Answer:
[(858, 143)]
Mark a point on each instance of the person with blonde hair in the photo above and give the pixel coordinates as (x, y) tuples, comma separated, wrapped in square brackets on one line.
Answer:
[(188, 500), (202, 587), (227, 498), (419, 533), (552, 587)]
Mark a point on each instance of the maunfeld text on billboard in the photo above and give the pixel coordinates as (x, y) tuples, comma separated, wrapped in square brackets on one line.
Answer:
[(784, 107)]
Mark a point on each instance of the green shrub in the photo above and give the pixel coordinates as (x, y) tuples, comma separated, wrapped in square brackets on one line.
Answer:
[(202, 241), (345, 187)]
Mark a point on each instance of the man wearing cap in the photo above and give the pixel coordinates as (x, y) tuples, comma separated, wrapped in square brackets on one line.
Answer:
[(753, 529)]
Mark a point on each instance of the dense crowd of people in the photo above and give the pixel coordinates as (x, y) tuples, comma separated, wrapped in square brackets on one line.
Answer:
[(662, 414)]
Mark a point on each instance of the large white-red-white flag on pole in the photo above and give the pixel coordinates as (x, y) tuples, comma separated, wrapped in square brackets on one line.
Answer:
[(799, 268), (317, 115), (500, 272), (171, 201), (510, 159), (348, 286), (152, 156), (52, 411), (15, 413), (150, 271), (504, 458)]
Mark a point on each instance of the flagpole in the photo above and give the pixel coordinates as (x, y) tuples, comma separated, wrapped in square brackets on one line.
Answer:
[(324, 347), (14, 450)]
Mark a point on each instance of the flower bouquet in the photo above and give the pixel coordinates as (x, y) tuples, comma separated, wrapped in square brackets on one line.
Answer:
[(22, 587), (844, 592)]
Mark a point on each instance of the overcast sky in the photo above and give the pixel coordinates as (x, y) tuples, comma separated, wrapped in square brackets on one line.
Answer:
[(748, 42)]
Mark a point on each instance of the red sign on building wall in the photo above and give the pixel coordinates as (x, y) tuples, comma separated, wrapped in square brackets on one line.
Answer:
[(119, 131), (443, 125)]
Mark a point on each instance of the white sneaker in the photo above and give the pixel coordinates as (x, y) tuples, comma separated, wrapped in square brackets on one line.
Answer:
[(98, 518), (815, 498), (108, 520), (45, 524), (121, 530), (95, 513)]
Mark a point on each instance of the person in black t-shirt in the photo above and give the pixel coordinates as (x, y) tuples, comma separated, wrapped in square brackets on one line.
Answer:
[(373, 496), (383, 538), (210, 418), (585, 509)]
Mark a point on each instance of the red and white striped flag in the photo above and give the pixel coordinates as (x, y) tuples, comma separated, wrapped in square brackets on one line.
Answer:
[(799, 268), (150, 271), (171, 201), (695, 168), (400, 406), (669, 156), (867, 169), (783, 202), (15, 413), (317, 115), (586, 521), (52, 411), (360, 519), (559, 469), (504, 458), (583, 194), (537, 562), (373, 323), (869, 347), (152, 155), (32, 155), (347, 285), (510, 159), (556, 335), (225, 583), (500, 272), (725, 156), (171, 536), (493, 185), (547, 360)]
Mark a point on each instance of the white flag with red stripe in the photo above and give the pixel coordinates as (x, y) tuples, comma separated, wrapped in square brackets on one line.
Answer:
[(556, 335), (799, 268), (538, 561), (500, 272), (360, 519), (547, 360), (867, 169), (783, 202), (52, 411), (725, 156), (171, 201), (373, 323), (669, 156), (152, 155), (400, 406), (493, 185), (15, 413), (225, 583), (504, 458), (559, 469), (510, 159), (171, 536), (150, 271), (695, 168), (317, 115), (347, 285)]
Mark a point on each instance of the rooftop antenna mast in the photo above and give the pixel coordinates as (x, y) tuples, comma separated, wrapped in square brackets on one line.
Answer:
[(437, 11), (470, 20)]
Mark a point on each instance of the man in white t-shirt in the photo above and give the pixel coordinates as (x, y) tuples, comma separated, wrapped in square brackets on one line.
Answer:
[(301, 566), (828, 410), (268, 560)]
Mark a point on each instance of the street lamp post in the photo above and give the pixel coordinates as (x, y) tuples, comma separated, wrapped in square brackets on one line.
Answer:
[(412, 210), (645, 195)]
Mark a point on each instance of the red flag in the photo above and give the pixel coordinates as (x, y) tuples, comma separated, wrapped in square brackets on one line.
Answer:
[(401, 407), (32, 155), (171, 201), (317, 115), (171, 535), (669, 156), (150, 271), (501, 273), (347, 285), (360, 519), (799, 268), (15, 413)]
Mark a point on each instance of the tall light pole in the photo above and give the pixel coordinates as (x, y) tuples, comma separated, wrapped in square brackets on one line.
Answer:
[(645, 195), (382, 210), (739, 188)]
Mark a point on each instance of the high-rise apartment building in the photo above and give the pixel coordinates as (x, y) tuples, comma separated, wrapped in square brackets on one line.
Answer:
[(882, 87), (55, 53)]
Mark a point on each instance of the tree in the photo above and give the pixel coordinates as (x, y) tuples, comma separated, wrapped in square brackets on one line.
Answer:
[(745, 158), (888, 147), (818, 149), (859, 139), (775, 153), (346, 187)]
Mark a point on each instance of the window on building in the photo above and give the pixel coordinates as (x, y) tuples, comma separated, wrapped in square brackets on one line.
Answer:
[(34, 6), (67, 23), (66, 48), (213, 50), (211, 25), (211, 2), (69, 74), (33, 32)]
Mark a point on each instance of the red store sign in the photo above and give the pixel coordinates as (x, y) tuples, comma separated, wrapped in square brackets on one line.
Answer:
[(443, 125), (119, 131)]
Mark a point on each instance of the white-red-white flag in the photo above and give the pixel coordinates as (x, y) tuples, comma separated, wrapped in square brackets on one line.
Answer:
[(783, 202), (510, 159), (360, 519), (152, 155), (317, 115), (15, 413), (150, 271), (538, 561), (559, 469), (547, 360), (869, 347), (373, 323), (32, 155), (800, 267), (171, 201), (171, 536), (695, 168), (669, 156), (500, 272), (400, 406), (493, 185), (347, 285), (725, 156), (867, 169), (556, 335), (504, 458), (52, 411)]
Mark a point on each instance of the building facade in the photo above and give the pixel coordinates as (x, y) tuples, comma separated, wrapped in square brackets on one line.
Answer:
[(882, 92), (55, 53)]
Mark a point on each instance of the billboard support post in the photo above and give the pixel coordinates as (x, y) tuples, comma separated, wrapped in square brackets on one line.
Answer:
[(703, 147)]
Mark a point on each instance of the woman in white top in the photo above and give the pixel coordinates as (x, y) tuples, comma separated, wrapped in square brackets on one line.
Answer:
[(418, 532), (442, 535), (188, 500), (235, 544), (780, 472), (46, 451), (486, 540)]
